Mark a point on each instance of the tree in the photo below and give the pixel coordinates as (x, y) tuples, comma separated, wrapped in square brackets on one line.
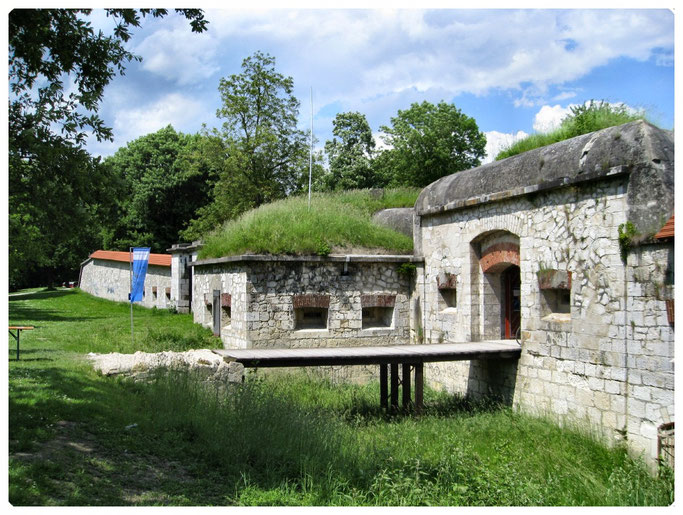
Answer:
[(266, 154), (428, 142), (58, 69), (168, 176), (47, 44), (350, 157), (59, 203)]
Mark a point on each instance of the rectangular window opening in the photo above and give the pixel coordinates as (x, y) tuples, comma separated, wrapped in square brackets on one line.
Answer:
[(556, 301), (378, 317), (448, 298), (310, 318), (226, 316)]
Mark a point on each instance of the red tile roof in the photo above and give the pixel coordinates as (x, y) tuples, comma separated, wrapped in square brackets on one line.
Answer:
[(112, 255), (667, 231)]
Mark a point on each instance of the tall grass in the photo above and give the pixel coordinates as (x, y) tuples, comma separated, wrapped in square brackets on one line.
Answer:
[(582, 119), (298, 441), (335, 222), (77, 438)]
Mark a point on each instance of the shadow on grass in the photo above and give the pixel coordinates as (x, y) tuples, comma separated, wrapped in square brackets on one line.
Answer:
[(13, 357), (30, 314), (178, 441), (44, 294)]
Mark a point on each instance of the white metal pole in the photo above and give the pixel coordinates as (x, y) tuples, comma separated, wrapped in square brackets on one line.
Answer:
[(310, 156)]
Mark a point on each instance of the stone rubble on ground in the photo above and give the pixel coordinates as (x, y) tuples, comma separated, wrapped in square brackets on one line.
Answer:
[(140, 365)]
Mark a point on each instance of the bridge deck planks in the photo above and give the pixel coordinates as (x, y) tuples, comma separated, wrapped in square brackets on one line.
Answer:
[(412, 357), (371, 355)]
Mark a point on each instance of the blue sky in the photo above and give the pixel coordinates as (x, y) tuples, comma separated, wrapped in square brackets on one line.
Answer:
[(514, 71)]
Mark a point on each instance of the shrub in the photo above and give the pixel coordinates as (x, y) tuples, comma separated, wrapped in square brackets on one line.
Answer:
[(583, 119)]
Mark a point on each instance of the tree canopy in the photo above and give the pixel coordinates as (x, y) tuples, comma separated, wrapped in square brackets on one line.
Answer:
[(59, 66), (350, 157), (167, 177), (430, 141), (266, 155), (49, 46)]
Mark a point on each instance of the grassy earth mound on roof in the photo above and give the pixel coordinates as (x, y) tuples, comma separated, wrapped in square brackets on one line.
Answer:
[(336, 223), (583, 119)]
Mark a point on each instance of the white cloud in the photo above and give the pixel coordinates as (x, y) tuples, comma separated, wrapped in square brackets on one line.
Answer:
[(380, 144), (363, 53), (564, 96), (179, 55), (497, 141), (378, 61), (174, 109), (548, 118)]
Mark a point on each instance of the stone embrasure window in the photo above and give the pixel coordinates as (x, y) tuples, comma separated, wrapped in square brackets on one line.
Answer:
[(378, 311), (555, 286), (154, 293), (447, 286), (168, 293), (310, 311), (208, 305)]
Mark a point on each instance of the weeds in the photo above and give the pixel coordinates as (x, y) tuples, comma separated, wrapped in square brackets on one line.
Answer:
[(582, 119)]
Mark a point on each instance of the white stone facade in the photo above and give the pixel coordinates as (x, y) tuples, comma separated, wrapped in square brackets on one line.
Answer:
[(607, 360), (181, 272), (350, 302), (111, 280)]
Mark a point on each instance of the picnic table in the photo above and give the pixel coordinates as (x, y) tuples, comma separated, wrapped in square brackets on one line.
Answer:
[(19, 329)]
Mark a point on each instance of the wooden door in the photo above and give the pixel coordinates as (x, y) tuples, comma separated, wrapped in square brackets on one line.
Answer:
[(511, 301)]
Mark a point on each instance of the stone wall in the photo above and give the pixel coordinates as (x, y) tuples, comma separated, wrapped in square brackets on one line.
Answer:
[(300, 303), (111, 280), (181, 273), (648, 344), (606, 358)]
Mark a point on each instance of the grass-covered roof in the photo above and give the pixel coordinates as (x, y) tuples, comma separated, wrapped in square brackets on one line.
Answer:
[(335, 223)]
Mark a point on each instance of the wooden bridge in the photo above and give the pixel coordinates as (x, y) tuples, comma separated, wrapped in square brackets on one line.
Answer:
[(410, 358)]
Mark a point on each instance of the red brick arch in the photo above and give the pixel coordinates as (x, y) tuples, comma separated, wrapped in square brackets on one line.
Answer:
[(499, 254)]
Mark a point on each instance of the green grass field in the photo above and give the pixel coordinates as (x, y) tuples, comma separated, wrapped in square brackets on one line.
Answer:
[(77, 438)]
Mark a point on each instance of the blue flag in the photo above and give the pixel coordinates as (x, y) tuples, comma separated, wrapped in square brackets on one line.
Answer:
[(140, 261)]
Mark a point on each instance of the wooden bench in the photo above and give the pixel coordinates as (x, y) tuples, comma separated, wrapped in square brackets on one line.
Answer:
[(19, 329)]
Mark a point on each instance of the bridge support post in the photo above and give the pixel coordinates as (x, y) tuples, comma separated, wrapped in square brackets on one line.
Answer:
[(394, 386), (405, 385), (383, 386), (419, 387)]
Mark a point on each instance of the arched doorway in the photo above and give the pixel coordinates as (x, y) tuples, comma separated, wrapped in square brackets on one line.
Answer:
[(496, 286)]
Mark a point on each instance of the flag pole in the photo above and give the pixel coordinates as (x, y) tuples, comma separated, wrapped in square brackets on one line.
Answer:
[(130, 295), (310, 156)]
